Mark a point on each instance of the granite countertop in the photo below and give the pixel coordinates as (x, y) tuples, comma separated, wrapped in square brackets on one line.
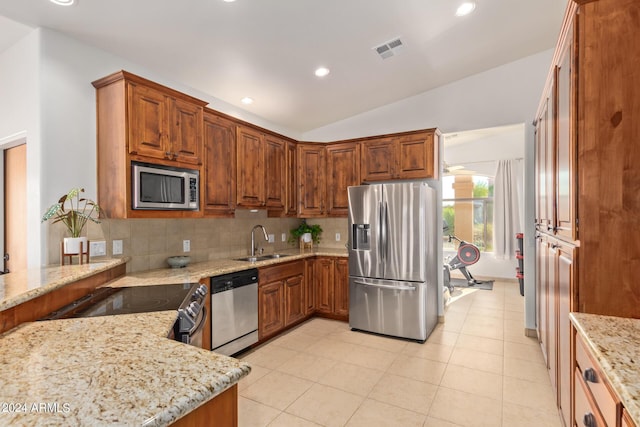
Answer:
[(194, 272), (615, 342), (20, 286), (111, 370)]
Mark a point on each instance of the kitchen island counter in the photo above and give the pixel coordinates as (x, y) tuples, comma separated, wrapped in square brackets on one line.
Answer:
[(110, 370)]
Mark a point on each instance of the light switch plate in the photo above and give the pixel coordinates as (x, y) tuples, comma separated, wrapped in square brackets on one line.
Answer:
[(284, 237), (337, 237), (272, 238), (98, 248), (186, 245), (117, 247)]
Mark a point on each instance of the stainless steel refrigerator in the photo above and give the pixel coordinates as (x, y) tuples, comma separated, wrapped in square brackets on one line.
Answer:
[(393, 265)]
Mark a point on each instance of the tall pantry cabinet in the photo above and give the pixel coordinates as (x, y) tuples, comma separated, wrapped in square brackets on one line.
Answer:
[(588, 180)]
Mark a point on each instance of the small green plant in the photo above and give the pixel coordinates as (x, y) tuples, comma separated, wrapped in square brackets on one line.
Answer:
[(303, 228), (76, 215)]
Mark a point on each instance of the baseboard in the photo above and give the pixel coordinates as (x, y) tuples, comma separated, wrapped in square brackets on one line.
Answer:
[(440, 319), (531, 333)]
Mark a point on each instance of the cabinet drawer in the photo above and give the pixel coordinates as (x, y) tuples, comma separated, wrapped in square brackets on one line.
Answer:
[(586, 414), (280, 271), (595, 383)]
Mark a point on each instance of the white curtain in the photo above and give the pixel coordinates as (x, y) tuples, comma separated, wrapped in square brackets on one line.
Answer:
[(507, 207)]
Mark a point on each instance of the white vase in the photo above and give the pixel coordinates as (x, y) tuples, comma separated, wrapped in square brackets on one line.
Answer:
[(72, 245)]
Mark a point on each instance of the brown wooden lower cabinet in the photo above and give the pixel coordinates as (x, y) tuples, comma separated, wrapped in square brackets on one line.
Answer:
[(331, 278), (270, 309), (341, 287), (221, 411)]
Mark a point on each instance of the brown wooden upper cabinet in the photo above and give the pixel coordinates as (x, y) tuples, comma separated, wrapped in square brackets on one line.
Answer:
[(343, 170), (311, 180), (219, 183), (275, 172), (291, 204), (143, 121), (404, 156), (250, 150)]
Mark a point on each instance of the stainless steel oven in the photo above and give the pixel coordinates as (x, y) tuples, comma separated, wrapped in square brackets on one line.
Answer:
[(234, 311), (187, 299)]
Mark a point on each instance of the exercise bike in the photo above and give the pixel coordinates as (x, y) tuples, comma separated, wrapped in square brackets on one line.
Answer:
[(468, 254)]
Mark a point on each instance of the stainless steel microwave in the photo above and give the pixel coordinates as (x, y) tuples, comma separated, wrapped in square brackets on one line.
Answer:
[(164, 188)]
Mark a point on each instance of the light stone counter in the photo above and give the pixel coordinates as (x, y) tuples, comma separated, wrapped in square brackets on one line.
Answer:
[(615, 342), (111, 370), (21, 286), (194, 272)]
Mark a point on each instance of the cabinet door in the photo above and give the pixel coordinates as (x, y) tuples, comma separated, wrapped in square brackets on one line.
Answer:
[(416, 156), (341, 288), (275, 172), (291, 205), (185, 132), (565, 277), (311, 180), (565, 146), (378, 159), (219, 183), (542, 294), (295, 303), (544, 170), (343, 170), (552, 307), (270, 308), (250, 168), (310, 291), (323, 277), (148, 118)]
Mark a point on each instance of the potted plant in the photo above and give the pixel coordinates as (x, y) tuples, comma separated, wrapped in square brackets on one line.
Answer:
[(306, 234), (73, 211)]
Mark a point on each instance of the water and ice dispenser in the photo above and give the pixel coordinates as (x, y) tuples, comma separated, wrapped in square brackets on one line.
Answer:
[(361, 237)]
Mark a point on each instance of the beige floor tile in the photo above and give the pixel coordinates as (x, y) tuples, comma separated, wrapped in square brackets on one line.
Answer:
[(487, 312), (331, 349), (288, 420), (484, 321), (466, 409), (521, 416), (516, 350), (478, 360), (514, 316), (453, 321), (377, 414), (351, 378), (370, 357), (351, 337), (528, 393), (486, 345), (256, 373), (254, 414), (277, 390), (405, 393), (514, 307), (434, 422), (326, 406), (440, 336), (429, 350), (307, 366), (420, 369), (480, 330), (269, 356), (526, 370), (392, 345), (473, 381), (298, 341), (518, 336)]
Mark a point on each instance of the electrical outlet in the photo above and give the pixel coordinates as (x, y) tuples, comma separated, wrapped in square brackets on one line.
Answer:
[(186, 245), (337, 237), (117, 247), (98, 248), (284, 237), (272, 238)]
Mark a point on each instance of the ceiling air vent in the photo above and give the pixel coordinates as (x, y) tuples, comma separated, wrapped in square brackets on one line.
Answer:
[(390, 48)]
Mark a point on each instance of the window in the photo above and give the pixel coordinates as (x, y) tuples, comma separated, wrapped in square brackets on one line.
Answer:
[(468, 210)]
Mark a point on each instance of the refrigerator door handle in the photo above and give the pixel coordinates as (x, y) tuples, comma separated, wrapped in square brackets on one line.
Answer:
[(382, 233), (385, 225), (377, 285)]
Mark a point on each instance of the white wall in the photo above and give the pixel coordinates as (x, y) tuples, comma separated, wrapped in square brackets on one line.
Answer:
[(20, 113), (505, 95)]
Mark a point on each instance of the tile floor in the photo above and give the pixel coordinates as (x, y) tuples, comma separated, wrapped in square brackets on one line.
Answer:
[(476, 369)]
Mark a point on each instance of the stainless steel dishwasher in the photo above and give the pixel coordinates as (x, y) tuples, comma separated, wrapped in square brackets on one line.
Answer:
[(234, 311)]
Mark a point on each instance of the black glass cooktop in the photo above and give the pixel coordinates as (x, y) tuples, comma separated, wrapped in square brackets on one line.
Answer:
[(138, 299)]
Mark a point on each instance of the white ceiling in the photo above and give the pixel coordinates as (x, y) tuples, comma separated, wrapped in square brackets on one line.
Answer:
[(268, 49)]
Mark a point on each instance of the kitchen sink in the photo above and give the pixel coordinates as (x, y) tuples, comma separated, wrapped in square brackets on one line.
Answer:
[(261, 257)]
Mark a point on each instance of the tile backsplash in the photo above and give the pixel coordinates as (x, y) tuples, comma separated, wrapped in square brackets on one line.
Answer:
[(149, 242)]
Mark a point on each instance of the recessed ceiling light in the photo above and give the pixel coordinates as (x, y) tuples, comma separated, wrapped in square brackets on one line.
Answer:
[(322, 71), (465, 8), (228, 1), (63, 2), (246, 100)]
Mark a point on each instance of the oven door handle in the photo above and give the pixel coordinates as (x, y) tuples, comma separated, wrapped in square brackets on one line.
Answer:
[(203, 318)]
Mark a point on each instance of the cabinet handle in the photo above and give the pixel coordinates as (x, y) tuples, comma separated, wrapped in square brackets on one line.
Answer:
[(167, 153), (589, 420), (590, 376), (555, 246)]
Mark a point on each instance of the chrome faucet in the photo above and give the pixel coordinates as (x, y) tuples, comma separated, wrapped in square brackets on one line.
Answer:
[(253, 239)]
